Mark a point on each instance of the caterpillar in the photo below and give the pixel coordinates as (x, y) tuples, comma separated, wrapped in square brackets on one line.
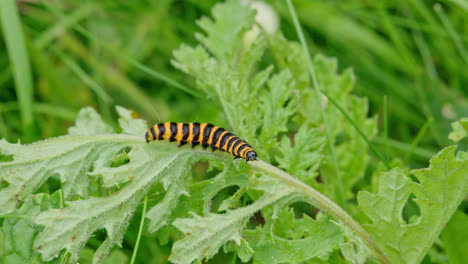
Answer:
[(204, 134)]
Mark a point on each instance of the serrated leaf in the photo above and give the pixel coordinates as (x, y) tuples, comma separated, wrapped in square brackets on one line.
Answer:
[(205, 235), (19, 232), (224, 33), (278, 105), (89, 122), (440, 190), (129, 124), (290, 55), (70, 227), (460, 130), (294, 240), (69, 157), (302, 155)]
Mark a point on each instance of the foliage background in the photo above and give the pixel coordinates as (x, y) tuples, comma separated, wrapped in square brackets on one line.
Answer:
[(412, 52)]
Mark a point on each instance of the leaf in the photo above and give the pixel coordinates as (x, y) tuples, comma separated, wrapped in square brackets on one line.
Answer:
[(291, 240), (351, 150), (278, 105), (89, 122), (440, 190), (454, 238), (19, 230), (205, 235), (460, 130), (70, 227), (302, 156), (223, 34), (290, 55), (68, 157), (129, 124)]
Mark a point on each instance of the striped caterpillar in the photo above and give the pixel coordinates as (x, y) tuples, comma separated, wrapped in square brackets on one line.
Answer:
[(204, 134)]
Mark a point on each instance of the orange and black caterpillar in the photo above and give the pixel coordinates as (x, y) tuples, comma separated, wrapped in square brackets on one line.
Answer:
[(204, 134)]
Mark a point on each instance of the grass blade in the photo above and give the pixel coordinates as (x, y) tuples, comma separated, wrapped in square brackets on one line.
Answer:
[(385, 125), (451, 30), (417, 139), (81, 74), (21, 68), (140, 230), (339, 181)]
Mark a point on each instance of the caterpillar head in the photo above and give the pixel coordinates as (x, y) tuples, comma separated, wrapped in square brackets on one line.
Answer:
[(251, 155)]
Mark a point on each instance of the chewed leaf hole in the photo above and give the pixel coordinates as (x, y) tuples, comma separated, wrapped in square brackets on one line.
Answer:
[(411, 210), (222, 195), (301, 208), (51, 185), (6, 158), (121, 158)]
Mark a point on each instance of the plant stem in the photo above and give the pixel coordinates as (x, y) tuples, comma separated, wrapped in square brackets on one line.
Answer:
[(317, 89), (385, 125), (324, 204), (142, 223)]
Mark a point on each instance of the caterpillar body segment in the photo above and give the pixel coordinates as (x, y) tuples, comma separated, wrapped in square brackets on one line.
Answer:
[(204, 134)]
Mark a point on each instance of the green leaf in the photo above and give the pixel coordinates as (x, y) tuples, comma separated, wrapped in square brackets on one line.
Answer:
[(302, 156), (205, 235), (70, 227), (89, 122), (454, 238), (224, 33), (352, 160), (129, 124), (19, 229), (460, 130), (290, 55), (290, 240), (69, 158), (440, 190)]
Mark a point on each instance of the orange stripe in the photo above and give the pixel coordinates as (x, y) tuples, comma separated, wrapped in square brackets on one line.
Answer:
[(219, 139), (242, 154), (210, 138), (237, 148), (167, 132), (232, 145), (202, 128), (190, 133), (179, 133), (226, 143), (156, 131)]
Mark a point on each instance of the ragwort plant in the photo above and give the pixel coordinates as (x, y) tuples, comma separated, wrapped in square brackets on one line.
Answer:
[(264, 92)]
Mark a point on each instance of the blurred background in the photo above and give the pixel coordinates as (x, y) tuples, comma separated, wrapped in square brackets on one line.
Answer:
[(113, 52)]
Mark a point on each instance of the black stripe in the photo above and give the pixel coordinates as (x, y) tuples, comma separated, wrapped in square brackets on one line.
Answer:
[(185, 132), (241, 148), (230, 143), (173, 131), (206, 134), (234, 147), (216, 136), (223, 140), (196, 133), (146, 137), (153, 132), (162, 130)]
